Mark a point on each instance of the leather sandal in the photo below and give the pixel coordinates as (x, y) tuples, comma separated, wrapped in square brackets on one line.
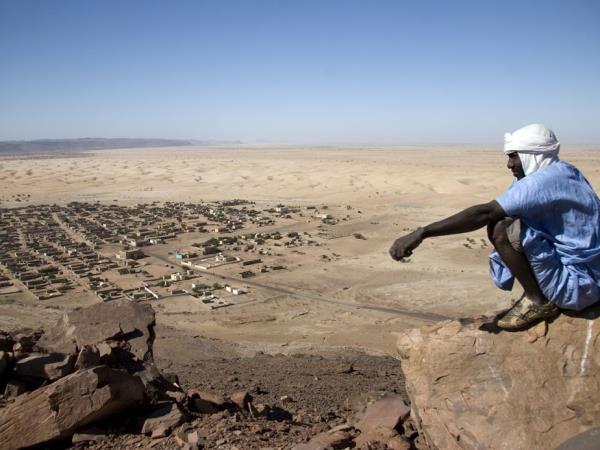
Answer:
[(525, 313)]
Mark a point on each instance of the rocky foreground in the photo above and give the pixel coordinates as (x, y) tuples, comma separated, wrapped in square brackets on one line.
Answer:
[(92, 382), (473, 386)]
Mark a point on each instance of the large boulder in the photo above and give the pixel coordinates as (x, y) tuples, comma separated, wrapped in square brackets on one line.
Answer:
[(119, 320), (474, 386), (56, 411)]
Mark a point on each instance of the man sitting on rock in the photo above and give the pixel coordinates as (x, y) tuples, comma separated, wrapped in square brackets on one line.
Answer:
[(545, 230)]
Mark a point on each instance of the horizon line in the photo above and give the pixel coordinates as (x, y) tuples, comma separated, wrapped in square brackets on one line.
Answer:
[(190, 142)]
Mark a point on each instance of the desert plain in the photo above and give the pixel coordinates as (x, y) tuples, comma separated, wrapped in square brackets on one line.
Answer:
[(346, 293)]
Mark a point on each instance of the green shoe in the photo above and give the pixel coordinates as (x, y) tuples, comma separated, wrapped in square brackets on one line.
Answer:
[(525, 313)]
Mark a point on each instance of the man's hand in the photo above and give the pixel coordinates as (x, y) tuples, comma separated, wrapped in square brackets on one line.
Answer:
[(404, 246)]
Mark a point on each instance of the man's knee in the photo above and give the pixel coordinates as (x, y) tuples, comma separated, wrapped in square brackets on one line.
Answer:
[(497, 233)]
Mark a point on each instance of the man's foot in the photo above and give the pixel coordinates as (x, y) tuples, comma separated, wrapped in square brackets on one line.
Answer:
[(525, 313)]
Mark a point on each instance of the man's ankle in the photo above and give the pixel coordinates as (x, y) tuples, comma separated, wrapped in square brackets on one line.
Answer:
[(537, 299)]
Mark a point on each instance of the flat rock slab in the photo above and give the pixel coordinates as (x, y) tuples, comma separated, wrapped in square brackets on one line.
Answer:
[(387, 413), (162, 421), (120, 320), (474, 386), (59, 409)]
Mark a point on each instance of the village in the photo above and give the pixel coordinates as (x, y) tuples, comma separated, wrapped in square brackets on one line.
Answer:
[(153, 251)]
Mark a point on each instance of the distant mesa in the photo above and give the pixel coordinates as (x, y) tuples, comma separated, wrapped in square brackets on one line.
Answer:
[(70, 145)]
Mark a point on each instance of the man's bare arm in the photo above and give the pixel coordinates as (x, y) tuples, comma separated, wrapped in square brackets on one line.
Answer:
[(467, 220)]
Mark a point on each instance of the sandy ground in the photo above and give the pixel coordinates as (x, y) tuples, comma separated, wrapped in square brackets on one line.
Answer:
[(389, 190)]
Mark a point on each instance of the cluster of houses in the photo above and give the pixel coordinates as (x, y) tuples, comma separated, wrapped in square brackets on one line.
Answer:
[(155, 223), (38, 252), (50, 249), (33, 273)]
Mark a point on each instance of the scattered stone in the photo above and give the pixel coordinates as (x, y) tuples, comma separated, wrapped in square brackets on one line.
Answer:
[(327, 440), (260, 410), (286, 399), (349, 369), (25, 340), (88, 357), (155, 384), (343, 427), (18, 350), (14, 388), (241, 399), (205, 402), (121, 320), (104, 351), (188, 438), (55, 411), (89, 435), (49, 367), (389, 438), (176, 396), (162, 421), (386, 413)]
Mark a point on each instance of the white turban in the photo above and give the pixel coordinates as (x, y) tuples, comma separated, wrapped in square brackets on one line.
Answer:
[(536, 145)]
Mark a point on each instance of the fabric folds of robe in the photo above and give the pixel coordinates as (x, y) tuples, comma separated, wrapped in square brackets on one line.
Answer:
[(560, 234)]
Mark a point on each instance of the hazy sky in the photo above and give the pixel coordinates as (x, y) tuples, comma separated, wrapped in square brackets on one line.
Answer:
[(299, 71)]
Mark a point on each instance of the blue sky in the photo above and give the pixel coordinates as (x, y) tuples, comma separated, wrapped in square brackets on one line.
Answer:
[(322, 71)]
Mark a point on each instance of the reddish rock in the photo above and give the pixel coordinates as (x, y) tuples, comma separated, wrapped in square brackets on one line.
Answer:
[(49, 367), (384, 436), (188, 438), (162, 421), (241, 399), (55, 411), (259, 410), (328, 440), (205, 402), (387, 412), (474, 386)]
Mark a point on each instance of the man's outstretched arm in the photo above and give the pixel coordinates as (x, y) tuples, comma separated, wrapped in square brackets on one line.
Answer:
[(467, 220)]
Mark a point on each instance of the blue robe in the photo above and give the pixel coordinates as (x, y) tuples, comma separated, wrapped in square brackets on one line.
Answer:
[(560, 233)]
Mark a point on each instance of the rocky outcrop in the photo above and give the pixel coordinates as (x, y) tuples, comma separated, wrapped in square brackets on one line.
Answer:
[(56, 411), (474, 386), (119, 320), (95, 363)]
